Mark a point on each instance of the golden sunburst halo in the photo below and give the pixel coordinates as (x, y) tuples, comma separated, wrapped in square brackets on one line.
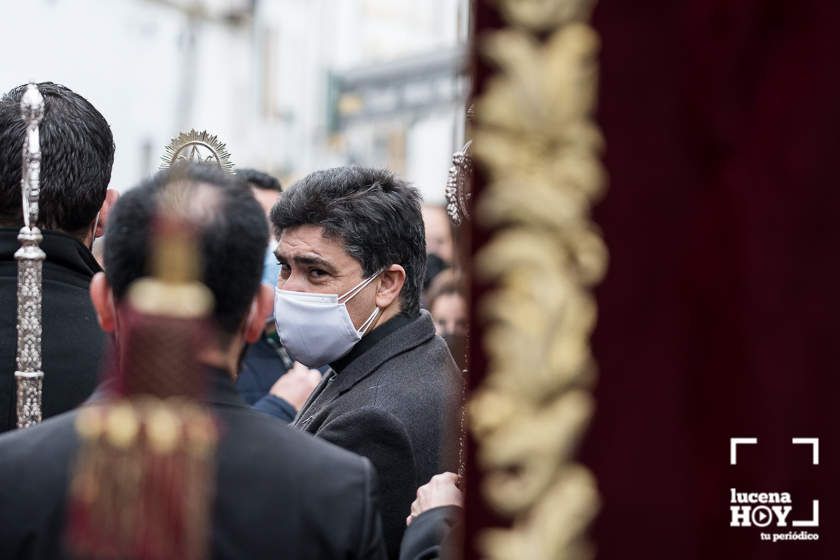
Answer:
[(197, 146)]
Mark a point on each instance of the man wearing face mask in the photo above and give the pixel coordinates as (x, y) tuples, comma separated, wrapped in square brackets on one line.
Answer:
[(352, 254), (77, 154)]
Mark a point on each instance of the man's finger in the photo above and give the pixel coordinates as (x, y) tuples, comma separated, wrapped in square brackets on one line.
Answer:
[(445, 476), (299, 369)]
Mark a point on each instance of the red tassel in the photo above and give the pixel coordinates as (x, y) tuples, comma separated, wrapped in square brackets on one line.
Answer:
[(144, 496)]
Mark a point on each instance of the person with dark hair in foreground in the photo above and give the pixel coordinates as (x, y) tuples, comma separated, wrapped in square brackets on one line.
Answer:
[(278, 492), (352, 254), (77, 154)]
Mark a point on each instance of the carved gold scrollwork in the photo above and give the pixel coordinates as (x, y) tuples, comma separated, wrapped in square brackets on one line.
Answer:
[(535, 138), (539, 15)]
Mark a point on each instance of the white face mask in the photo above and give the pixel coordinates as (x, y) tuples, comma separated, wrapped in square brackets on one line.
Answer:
[(316, 329)]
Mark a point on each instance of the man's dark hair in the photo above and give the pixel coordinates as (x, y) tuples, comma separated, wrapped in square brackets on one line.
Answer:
[(259, 180), (233, 232), (77, 150), (375, 214)]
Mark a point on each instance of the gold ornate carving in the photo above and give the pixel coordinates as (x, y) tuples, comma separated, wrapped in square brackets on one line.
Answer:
[(536, 140), (541, 15)]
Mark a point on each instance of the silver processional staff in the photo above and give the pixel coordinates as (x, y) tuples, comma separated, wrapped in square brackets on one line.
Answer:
[(30, 258)]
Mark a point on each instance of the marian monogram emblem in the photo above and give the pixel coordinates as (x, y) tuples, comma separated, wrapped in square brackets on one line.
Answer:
[(197, 146)]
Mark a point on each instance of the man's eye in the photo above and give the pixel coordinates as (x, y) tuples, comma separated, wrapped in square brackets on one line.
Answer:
[(317, 273), (285, 271)]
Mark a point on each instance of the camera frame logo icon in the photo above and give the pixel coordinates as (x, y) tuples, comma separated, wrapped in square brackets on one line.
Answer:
[(749, 509)]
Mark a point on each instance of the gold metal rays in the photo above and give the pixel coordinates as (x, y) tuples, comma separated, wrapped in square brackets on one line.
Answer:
[(197, 146)]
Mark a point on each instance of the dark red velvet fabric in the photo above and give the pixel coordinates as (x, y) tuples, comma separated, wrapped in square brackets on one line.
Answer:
[(719, 314)]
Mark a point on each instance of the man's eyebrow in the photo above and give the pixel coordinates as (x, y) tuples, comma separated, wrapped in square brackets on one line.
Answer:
[(308, 260)]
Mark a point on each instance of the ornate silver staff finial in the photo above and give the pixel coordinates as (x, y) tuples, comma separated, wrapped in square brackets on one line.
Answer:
[(30, 260), (197, 146)]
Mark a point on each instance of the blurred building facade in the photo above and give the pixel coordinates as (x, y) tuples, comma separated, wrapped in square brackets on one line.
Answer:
[(290, 85)]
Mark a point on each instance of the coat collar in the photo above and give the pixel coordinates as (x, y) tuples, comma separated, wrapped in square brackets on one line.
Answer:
[(370, 340), (411, 335), (60, 248), (220, 389)]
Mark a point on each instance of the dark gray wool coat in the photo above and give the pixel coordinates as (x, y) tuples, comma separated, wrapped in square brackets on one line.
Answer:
[(395, 401)]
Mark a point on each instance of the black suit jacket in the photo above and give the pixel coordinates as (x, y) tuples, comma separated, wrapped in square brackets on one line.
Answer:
[(72, 340), (396, 404), (279, 493)]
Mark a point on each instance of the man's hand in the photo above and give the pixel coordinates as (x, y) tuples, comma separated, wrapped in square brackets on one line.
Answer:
[(441, 490), (296, 385)]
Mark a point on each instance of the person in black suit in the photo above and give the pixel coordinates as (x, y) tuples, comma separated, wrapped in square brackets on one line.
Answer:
[(352, 254), (77, 154), (278, 493)]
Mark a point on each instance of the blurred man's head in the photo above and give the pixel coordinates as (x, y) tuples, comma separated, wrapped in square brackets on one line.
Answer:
[(232, 234), (438, 228), (448, 304), (77, 155), (338, 227), (265, 188)]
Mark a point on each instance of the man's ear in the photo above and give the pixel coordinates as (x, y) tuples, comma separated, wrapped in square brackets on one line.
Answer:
[(111, 196), (103, 302), (260, 309), (390, 285)]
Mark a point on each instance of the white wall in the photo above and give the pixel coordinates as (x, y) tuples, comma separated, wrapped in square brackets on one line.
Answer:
[(128, 58), (120, 57)]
